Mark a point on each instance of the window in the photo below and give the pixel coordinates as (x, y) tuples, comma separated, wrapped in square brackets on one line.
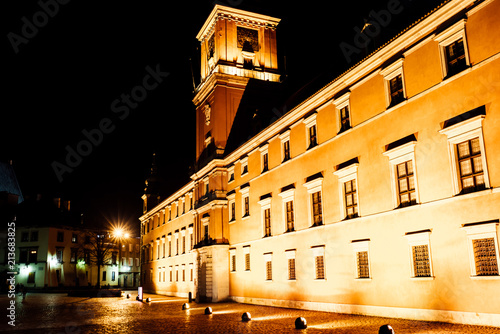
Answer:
[(265, 203), (319, 262), (191, 237), (230, 171), (264, 158), (453, 49), (23, 255), (361, 253), (314, 189), (163, 246), (191, 275), (33, 256), (74, 238), (285, 146), (232, 253), (113, 276), (104, 275), (483, 249), (344, 117), (268, 259), (246, 251), (171, 273), (137, 263), (244, 165), (466, 150), (74, 252), (183, 272), (169, 237), (184, 242), (394, 83), (34, 236), (232, 206), (246, 201), (25, 236), (470, 165), (177, 273), (403, 171), (420, 254), (60, 236), (311, 135), (287, 194), (59, 254), (31, 277), (347, 173), (205, 222), (177, 242), (290, 256)]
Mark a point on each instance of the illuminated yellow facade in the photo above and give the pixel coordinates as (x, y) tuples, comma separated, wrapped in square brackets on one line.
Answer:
[(378, 195)]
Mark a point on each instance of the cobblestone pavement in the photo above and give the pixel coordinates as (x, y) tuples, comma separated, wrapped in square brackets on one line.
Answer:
[(58, 313)]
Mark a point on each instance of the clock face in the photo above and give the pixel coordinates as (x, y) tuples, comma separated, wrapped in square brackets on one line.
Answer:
[(249, 37)]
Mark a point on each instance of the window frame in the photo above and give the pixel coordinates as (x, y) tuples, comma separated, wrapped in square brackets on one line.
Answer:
[(232, 257), (389, 73), (341, 103), (397, 156), (346, 174), (445, 39), (264, 158), (319, 251), (265, 205), (310, 122), (291, 255), (246, 253), (245, 193), (419, 238), (358, 246), (268, 261), (478, 231), (459, 133), (286, 197), (313, 187), (244, 166), (284, 138)]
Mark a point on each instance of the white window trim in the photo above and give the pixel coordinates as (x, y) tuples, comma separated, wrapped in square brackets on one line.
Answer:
[(361, 246), (243, 163), (346, 174), (319, 251), (340, 103), (284, 137), (264, 205), (313, 187), (231, 199), (419, 239), (287, 196), (450, 35), (263, 151), (390, 73), (268, 257), (163, 246), (481, 231), (459, 133), (244, 194), (290, 254), (310, 122), (232, 252), (398, 155), (230, 171)]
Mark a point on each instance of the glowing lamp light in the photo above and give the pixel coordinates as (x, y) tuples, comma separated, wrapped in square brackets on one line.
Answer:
[(25, 270)]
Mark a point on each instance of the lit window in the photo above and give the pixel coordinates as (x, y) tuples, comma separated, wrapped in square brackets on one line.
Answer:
[(290, 255), (33, 256), (401, 156), (313, 185), (420, 253), (351, 199), (453, 49), (265, 204), (483, 249), (394, 83), (287, 194), (74, 238), (466, 148)]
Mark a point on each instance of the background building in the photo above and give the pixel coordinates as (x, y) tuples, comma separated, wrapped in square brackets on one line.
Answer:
[(378, 194)]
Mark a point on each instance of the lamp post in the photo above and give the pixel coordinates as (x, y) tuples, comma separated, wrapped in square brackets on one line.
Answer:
[(119, 234)]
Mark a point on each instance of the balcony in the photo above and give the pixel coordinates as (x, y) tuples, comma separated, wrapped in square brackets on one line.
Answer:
[(209, 197)]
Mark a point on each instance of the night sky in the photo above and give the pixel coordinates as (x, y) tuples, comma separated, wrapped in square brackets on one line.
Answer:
[(69, 76)]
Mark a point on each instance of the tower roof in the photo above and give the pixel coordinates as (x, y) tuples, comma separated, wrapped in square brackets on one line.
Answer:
[(252, 19)]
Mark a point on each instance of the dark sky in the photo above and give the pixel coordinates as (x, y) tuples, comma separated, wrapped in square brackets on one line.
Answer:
[(67, 72)]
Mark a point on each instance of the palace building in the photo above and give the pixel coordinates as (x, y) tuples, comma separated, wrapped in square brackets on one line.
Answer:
[(378, 194)]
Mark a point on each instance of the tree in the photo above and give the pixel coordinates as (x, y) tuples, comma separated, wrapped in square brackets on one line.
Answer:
[(100, 244)]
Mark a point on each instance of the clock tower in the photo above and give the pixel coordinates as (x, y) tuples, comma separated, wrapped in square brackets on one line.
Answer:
[(236, 47)]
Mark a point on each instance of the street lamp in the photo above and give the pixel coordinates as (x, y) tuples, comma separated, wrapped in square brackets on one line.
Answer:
[(119, 233)]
